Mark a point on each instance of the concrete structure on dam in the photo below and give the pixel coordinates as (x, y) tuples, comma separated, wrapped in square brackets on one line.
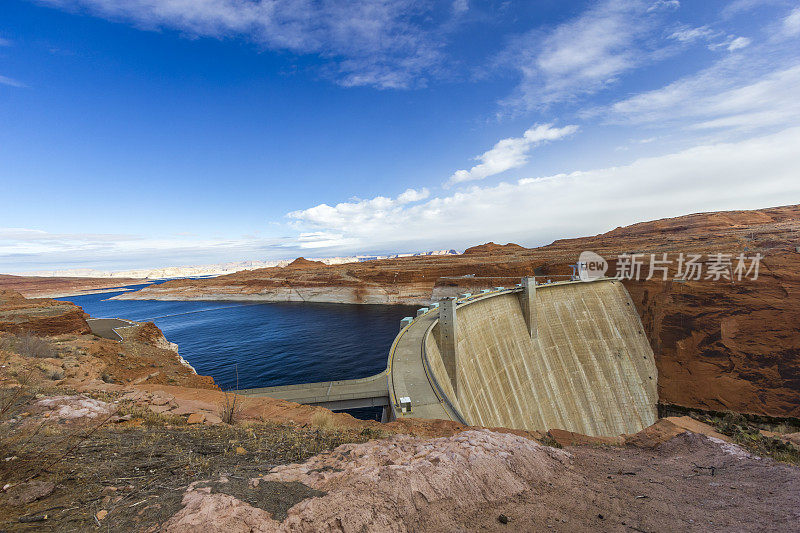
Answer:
[(569, 355)]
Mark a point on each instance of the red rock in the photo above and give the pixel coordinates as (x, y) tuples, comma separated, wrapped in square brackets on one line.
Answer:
[(196, 418), (40, 316)]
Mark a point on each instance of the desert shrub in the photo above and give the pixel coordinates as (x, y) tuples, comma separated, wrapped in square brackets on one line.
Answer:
[(29, 345), (231, 404), (547, 440), (229, 410), (324, 419), (748, 435), (372, 433)]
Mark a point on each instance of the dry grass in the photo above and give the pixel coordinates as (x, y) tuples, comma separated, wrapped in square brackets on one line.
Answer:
[(324, 420), (150, 466), (748, 436)]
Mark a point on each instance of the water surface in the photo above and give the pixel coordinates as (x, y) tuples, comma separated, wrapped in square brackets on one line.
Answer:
[(267, 343)]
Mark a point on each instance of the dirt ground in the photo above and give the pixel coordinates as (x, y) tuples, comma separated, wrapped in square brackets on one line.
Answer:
[(136, 471), (138, 474), (685, 484)]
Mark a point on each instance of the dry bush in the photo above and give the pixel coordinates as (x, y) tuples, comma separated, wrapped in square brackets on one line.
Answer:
[(324, 419), (231, 404), (28, 345), (230, 408)]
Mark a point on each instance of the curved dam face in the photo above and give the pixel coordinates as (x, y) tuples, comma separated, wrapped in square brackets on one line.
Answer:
[(579, 360)]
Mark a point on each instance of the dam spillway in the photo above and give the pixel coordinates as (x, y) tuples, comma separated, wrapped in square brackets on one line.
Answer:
[(581, 362), (568, 355)]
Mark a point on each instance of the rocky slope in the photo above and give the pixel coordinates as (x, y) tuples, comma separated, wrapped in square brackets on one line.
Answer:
[(485, 481), (51, 341), (41, 316), (719, 344)]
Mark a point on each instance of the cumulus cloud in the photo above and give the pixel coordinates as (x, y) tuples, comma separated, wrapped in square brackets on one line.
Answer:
[(511, 153), (378, 43), (412, 195), (361, 213), (754, 173)]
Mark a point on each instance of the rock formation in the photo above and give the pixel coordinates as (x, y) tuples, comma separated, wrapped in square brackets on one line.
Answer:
[(40, 316), (485, 481)]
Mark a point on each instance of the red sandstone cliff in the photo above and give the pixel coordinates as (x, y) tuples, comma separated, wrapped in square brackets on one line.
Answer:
[(40, 316)]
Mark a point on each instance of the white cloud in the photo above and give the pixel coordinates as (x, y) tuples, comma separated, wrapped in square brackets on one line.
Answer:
[(738, 7), (688, 34), (511, 153), (460, 6), (25, 249), (664, 4), (11, 82), (412, 195), (32, 235), (715, 39), (791, 24), (320, 239), (359, 212), (737, 43), (367, 42), (757, 172), (727, 95), (580, 56)]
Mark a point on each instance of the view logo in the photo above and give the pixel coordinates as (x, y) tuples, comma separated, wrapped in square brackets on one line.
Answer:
[(591, 266)]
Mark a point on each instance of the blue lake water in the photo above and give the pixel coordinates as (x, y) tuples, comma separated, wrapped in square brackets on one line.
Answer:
[(269, 343)]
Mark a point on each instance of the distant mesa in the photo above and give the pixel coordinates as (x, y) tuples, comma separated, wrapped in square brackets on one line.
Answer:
[(491, 248), (302, 262)]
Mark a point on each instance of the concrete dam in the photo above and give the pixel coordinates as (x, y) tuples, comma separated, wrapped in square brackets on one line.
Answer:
[(569, 355)]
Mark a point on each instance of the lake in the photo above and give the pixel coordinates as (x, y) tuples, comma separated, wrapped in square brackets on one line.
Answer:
[(268, 343)]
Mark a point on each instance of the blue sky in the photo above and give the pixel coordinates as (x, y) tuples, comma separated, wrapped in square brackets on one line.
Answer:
[(144, 133)]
